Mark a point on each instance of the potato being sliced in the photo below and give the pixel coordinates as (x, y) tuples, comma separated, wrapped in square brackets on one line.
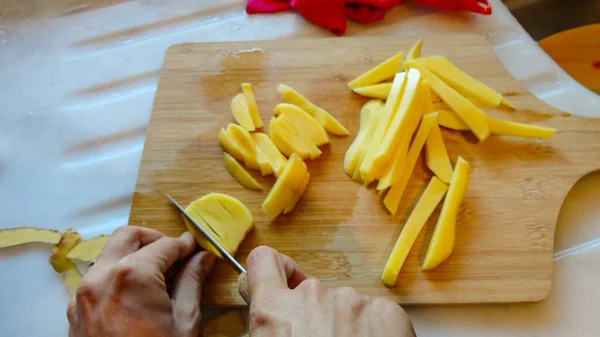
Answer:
[(402, 127), (289, 95), (282, 194), (379, 91), (17, 236), (89, 249), (400, 172), (273, 155), (474, 117), (442, 241), (415, 51), (353, 156), (461, 82), (423, 209), (383, 71), (231, 324), (368, 170), (252, 108), (436, 156), (240, 174), (224, 217), (240, 111)]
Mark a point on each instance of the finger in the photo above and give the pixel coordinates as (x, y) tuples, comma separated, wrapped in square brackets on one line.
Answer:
[(187, 288), (127, 240), (270, 270), (162, 253)]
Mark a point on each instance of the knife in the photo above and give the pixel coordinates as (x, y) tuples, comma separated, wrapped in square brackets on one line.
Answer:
[(242, 279)]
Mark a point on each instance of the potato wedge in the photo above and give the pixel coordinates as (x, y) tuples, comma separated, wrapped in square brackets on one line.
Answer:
[(383, 71), (240, 111), (282, 194)]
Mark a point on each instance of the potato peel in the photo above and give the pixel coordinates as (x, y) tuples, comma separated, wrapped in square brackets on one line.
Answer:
[(22, 235), (63, 265), (88, 250)]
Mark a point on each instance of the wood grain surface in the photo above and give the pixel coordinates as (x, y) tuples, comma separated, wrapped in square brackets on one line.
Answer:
[(338, 232)]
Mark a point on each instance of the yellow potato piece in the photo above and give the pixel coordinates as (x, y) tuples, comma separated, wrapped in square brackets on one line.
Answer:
[(252, 158), (450, 120), (230, 145), (426, 97), (474, 117), (274, 157), (436, 156), (423, 209), (442, 241), (292, 135), (297, 193), (224, 217), (461, 82), (240, 174), (362, 150), (415, 51), (383, 71), (289, 95), (297, 120), (282, 194), (18, 236), (368, 170), (399, 173), (252, 107), (240, 111), (405, 122), (89, 249), (62, 265), (354, 155), (231, 324), (379, 91)]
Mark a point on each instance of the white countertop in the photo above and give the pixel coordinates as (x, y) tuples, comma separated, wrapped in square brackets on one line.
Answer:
[(76, 89)]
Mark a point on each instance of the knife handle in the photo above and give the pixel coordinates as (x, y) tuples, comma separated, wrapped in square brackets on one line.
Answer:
[(243, 287)]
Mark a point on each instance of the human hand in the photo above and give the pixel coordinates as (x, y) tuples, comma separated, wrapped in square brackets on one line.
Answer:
[(286, 302), (142, 284)]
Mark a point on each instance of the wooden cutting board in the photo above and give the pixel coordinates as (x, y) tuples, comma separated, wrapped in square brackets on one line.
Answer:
[(338, 232)]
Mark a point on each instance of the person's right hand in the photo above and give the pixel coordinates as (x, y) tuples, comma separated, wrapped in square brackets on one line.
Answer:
[(286, 302)]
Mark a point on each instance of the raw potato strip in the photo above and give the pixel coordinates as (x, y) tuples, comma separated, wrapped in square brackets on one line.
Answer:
[(17, 236), (450, 120), (404, 170), (442, 241), (415, 51), (252, 108), (474, 117), (231, 324), (436, 156), (353, 155), (88, 250), (462, 82), (379, 91), (289, 95), (62, 265), (383, 71), (367, 169), (241, 114), (240, 174), (367, 143), (290, 181), (425, 206)]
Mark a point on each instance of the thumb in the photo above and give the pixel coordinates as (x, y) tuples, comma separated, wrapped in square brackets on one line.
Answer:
[(270, 270), (187, 291)]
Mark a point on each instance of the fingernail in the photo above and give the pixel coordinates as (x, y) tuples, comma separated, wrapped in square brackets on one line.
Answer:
[(187, 236)]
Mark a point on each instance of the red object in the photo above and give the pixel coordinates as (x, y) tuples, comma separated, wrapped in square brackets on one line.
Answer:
[(331, 14)]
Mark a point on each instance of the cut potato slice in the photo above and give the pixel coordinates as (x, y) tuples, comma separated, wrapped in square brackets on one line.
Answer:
[(368, 170), (240, 174), (297, 193), (383, 71), (402, 127), (423, 209), (252, 108), (224, 217), (297, 120), (442, 241), (240, 111), (450, 120), (88, 250), (461, 82), (353, 155), (231, 324), (245, 143), (273, 155), (282, 193), (379, 91), (230, 145), (415, 51), (289, 95), (17, 236), (400, 172), (436, 156), (474, 117), (62, 265), (294, 131)]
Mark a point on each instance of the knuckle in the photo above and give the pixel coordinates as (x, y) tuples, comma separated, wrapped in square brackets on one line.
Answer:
[(121, 271), (86, 292), (311, 285), (260, 252), (125, 231), (259, 316), (388, 306), (349, 297)]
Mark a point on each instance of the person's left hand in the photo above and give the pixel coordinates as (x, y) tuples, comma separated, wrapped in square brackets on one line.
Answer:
[(129, 291)]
